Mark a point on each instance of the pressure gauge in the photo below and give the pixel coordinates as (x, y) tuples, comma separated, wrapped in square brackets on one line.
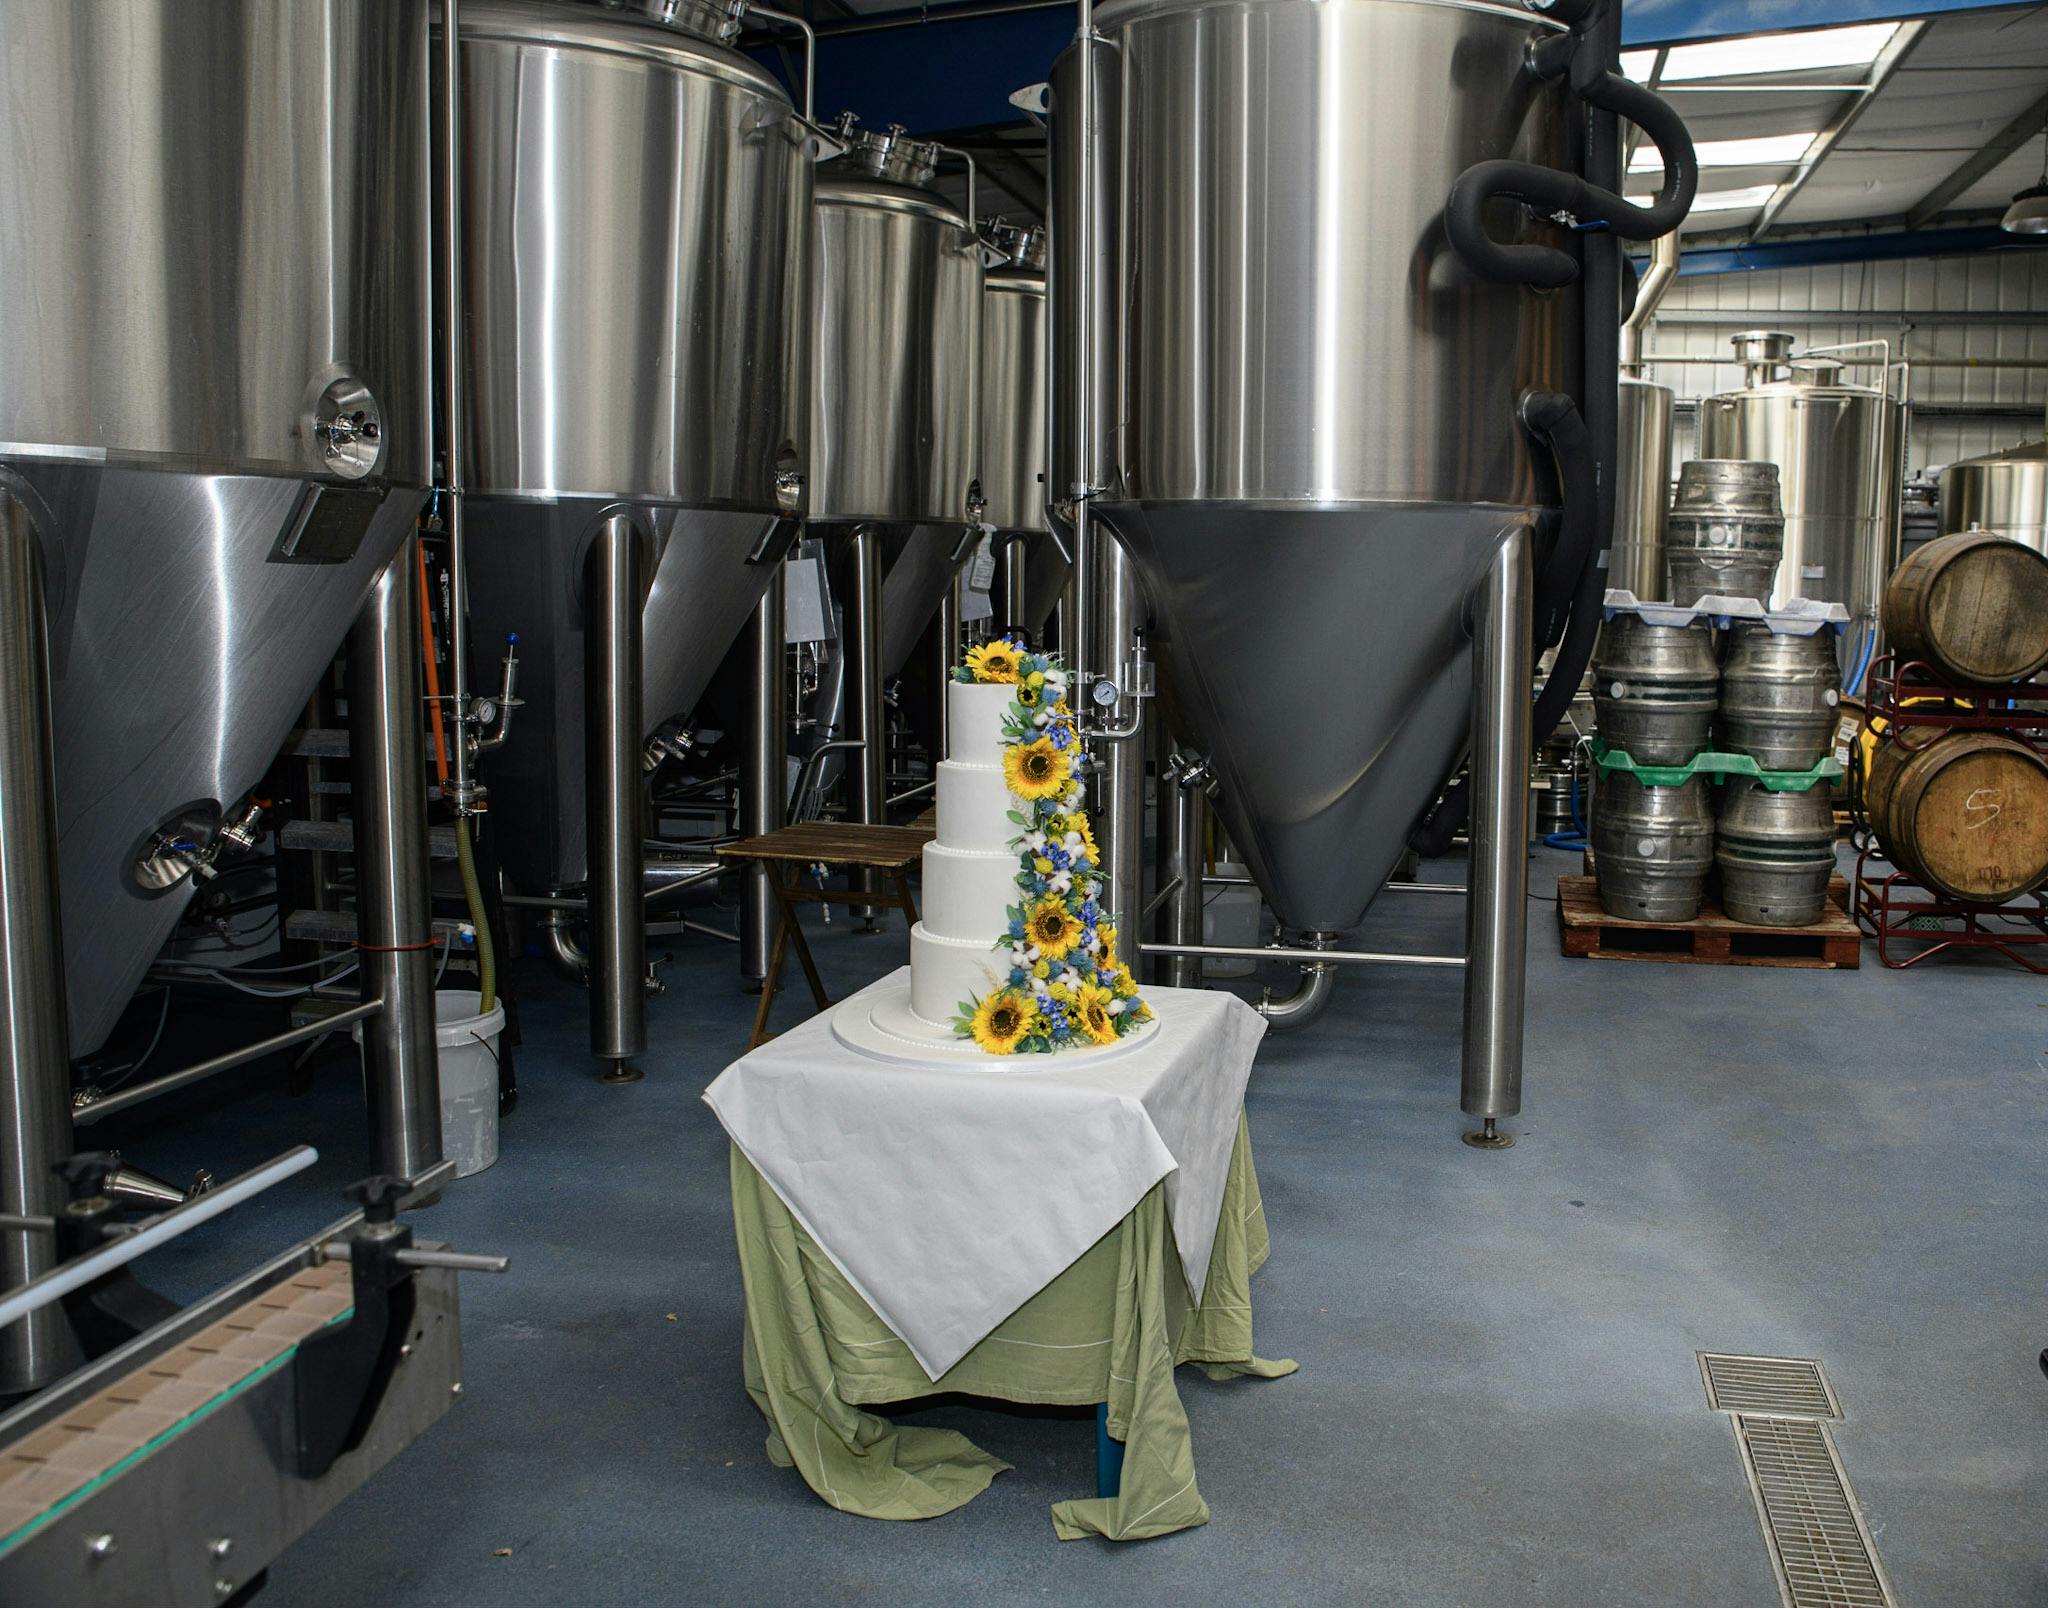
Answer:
[(1104, 692)]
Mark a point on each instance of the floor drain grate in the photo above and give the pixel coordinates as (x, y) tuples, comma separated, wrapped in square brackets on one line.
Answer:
[(1790, 1387), (1819, 1547)]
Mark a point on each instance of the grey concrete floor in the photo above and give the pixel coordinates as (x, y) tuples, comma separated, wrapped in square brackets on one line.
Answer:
[(1498, 1404)]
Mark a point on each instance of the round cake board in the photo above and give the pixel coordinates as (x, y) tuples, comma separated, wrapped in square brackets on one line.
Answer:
[(881, 1025)]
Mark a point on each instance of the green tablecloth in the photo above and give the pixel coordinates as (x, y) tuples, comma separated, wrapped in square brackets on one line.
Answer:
[(1111, 1328)]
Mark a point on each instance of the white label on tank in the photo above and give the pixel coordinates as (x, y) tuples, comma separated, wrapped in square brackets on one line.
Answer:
[(981, 575), (1814, 572)]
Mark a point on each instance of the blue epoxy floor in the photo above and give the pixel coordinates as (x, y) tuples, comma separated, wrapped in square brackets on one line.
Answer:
[(1498, 1407)]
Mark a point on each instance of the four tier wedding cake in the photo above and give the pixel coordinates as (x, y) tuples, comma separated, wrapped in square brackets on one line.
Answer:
[(1015, 954)]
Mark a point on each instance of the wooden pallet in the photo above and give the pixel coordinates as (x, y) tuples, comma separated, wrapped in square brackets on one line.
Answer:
[(1710, 938)]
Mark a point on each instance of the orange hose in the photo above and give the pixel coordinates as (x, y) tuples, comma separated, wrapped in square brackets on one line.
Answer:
[(433, 672)]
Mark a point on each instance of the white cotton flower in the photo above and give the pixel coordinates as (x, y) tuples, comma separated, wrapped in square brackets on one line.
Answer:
[(1030, 953), (1035, 841), (1071, 841), (1115, 1007), (1074, 794), (1042, 718), (1060, 881)]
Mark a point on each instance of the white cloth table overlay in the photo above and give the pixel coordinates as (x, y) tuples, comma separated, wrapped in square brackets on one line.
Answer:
[(949, 1196)]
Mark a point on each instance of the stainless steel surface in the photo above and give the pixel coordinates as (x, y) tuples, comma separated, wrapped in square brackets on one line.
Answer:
[(917, 565), (1725, 535), (614, 587), (35, 1058), (528, 577), (1642, 492), (1779, 696), (1332, 957), (1821, 1549), (1016, 592), (1312, 996), (2006, 493), (394, 891), (764, 774), (1655, 690), (1666, 254), (217, 1477), (1297, 383), (637, 269), (451, 387), (1120, 786), (195, 278), (1775, 853), (215, 300), (1497, 909), (1010, 461), (1840, 453), (106, 1105), (160, 1229), (1185, 815), (1652, 847), (896, 378), (1787, 1387), (638, 201), (867, 715)]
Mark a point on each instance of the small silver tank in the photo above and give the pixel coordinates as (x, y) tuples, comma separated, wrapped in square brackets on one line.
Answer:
[(1652, 847), (1776, 852), (1778, 697), (1656, 688), (1726, 532)]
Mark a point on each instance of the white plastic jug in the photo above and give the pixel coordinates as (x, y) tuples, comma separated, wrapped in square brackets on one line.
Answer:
[(469, 1078)]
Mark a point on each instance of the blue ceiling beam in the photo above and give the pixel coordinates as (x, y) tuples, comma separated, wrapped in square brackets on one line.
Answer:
[(1670, 22), (1848, 248)]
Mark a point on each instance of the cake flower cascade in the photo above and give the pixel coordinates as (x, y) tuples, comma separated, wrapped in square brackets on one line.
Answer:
[(1067, 987)]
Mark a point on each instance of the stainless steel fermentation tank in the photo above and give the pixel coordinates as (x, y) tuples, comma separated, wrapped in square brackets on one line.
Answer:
[(1314, 498), (2006, 493), (1306, 399), (638, 197), (1012, 454), (214, 325), (1840, 452), (898, 308)]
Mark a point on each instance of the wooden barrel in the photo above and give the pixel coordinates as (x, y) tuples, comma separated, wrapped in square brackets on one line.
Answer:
[(1965, 814), (1973, 606)]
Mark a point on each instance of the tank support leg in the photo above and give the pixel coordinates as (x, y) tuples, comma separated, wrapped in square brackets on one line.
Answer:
[(615, 591), (394, 910), (868, 720), (766, 779), (1498, 906)]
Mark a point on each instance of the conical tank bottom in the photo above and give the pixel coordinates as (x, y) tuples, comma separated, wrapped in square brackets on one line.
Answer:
[(191, 618), (1320, 658)]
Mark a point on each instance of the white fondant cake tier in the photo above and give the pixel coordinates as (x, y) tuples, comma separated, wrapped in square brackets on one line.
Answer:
[(947, 972), (975, 802), (974, 720), (968, 892)]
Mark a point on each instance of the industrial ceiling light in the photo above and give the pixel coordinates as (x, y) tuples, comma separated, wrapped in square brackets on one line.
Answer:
[(2028, 214)]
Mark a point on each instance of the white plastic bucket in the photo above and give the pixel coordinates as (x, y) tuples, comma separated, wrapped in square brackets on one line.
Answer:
[(469, 1078)]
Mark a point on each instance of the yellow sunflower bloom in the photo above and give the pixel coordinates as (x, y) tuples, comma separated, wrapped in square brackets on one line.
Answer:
[(1001, 1021), (1036, 770), (1078, 822), (1091, 1012), (993, 661), (1126, 985), (1052, 926)]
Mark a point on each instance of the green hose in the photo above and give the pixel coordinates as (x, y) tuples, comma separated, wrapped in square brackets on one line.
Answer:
[(473, 893)]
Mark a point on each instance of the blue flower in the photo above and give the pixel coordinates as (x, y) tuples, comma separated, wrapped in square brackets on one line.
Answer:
[(1091, 912), (1016, 929)]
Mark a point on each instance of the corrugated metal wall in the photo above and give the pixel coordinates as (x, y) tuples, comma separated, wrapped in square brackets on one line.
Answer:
[(1987, 307)]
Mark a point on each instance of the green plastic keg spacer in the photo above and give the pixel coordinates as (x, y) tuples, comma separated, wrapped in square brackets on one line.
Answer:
[(1717, 767)]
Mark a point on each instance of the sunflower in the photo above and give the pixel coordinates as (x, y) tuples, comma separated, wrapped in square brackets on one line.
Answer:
[(1126, 986), (1036, 770), (1053, 927), (1091, 1012), (1078, 822), (993, 661), (1001, 1021)]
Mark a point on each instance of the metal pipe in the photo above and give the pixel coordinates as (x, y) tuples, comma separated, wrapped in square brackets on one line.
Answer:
[(952, 651), (107, 1104), (764, 781), (657, 881), (913, 794), (1016, 581), (954, 150), (807, 777), (1503, 666), (1333, 957), (810, 51), (82, 1270), (1428, 887), (461, 789), (614, 592), (1662, 274), (1184, 865), (864, 707), (35, 1051), (1121, 791), (394, 898), (562, 951), (1311, 997), (1158, 900)]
